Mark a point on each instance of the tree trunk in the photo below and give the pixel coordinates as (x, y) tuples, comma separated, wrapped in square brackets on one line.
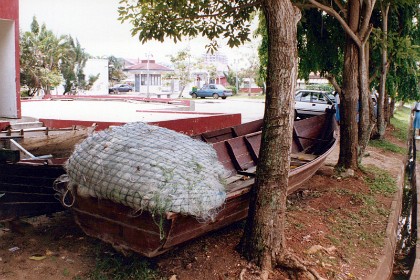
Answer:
[(263, 240), (350, 95), (366, 107), (391, 109), (386, 107), (384, 64)]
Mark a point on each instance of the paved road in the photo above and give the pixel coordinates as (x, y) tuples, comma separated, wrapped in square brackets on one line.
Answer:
[(120, 111), (250, 109)]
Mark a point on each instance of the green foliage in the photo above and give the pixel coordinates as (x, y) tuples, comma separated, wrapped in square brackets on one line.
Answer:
[(182, 67), (403, 40), (262, 50), (231, 77), (320, 44), (233, 89), (113, 266), (212, 20), (46, 59), (116, 65), (323, 87), (72, 67), (41, 53)]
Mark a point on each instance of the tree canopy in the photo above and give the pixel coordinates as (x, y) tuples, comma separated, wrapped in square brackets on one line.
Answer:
[(48, 60), (210, 19)]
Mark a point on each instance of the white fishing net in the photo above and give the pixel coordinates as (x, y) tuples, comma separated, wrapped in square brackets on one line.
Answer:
[(149, 168)]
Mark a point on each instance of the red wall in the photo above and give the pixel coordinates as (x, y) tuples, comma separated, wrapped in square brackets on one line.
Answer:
[(9, 9), (192, 126)]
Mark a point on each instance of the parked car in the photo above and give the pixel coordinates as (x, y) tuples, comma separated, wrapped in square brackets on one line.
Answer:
[(211, 90), (313, 102), (120, 88)]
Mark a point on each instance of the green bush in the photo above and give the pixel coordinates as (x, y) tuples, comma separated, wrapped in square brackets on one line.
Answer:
[(233, 88)]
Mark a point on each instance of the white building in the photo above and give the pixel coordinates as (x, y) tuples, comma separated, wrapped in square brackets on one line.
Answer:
[(148, 76)]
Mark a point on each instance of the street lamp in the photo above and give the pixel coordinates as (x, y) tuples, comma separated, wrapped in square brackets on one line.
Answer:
[(148, 55)]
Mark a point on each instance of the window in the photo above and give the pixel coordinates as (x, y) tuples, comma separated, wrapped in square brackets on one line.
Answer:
[(154, 79), (143, 79), (318, 97), (306, 96)]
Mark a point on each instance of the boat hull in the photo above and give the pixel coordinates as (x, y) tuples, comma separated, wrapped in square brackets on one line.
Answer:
[(151, 236)]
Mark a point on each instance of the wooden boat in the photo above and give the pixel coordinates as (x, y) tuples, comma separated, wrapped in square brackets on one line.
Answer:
[(26, 185), (237, 149)]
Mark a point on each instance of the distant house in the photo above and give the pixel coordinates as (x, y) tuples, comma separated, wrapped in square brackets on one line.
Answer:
[(148, 75), (9, 59), (314, 78)]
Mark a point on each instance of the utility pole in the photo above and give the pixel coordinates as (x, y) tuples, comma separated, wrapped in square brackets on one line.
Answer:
[(236, 78), (147, 77)]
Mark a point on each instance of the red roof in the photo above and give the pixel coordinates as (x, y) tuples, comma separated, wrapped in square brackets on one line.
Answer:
[(143, 66)]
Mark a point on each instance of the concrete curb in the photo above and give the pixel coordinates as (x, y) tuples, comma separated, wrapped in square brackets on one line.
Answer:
[(386, 261), (415, 273)]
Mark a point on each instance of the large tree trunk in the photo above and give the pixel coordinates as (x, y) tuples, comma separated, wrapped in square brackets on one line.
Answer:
[(350, 95), (263, 239), (384, 65)]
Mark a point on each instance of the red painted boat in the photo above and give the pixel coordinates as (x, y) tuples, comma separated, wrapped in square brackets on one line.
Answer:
[(237, 149)]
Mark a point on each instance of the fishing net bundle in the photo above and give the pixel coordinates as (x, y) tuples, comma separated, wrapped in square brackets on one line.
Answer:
[(149, 168)]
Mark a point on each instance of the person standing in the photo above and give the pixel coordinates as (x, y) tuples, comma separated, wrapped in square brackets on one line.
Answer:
[(416, 122), (337, 107)]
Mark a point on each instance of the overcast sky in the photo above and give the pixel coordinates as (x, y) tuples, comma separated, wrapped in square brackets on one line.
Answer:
[(95, 24)]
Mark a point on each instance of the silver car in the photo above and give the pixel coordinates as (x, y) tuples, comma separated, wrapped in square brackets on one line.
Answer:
[(312, 102)]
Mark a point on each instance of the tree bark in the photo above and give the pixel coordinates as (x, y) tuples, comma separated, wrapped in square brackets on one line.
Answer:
[(366, 119), (350, 94), (384, 65), (263, 240)]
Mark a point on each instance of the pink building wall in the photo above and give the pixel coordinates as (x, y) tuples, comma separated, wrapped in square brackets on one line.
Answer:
[(9, 10)]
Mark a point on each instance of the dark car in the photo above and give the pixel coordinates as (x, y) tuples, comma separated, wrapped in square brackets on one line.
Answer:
[(211, 90), (120, 88)]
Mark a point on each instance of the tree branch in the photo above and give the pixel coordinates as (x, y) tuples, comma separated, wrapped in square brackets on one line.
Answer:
[(341, 7), (342, 22), (366, 36), (303, 6), (227, 11), (370, 4), (333, 81)]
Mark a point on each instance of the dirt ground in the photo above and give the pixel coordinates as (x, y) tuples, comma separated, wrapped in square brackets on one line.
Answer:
[(337, 224)]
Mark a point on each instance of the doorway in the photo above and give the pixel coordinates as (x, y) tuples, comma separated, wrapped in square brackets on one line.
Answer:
[(8, 91)]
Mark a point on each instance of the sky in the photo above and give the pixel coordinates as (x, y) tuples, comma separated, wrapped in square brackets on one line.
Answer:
[(95, 24)]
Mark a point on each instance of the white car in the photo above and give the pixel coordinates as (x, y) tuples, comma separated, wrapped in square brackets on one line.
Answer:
[(313, 102)]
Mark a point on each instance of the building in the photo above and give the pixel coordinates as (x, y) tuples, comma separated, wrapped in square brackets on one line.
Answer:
[(148, 75), (9, 59), (97, 67), (216, 57)]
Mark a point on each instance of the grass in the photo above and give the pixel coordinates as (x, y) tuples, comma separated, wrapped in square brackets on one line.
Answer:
[(245, 95), (400, 121), (113, 266), (351, 229), (387, 146), (381, 182)]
